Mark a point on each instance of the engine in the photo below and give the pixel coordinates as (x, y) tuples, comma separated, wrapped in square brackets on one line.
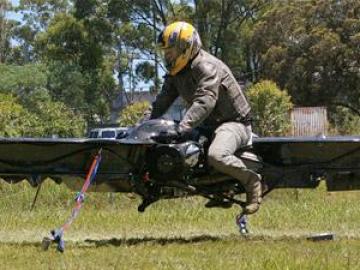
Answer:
[(174, 161), (169, 159)]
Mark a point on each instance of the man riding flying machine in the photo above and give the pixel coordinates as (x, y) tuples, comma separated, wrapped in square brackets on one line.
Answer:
[(214, 100)]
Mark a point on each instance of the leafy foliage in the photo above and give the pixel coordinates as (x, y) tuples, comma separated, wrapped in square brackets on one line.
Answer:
[(344, 122), (6, 31), (67, 84), (76, 50), (79, 73), (64, 39), (15, 120), (312, 49), (270, 108), (21, 80), (133, 113), (27, 108), (47, 119), (54, 117)]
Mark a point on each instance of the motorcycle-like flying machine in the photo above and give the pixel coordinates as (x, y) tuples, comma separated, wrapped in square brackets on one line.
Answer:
[(156, 164)]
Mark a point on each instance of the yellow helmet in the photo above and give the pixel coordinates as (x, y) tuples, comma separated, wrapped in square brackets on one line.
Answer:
[(180, 43)]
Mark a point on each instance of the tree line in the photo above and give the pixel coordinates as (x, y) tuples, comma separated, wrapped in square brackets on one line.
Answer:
[(79, 55)]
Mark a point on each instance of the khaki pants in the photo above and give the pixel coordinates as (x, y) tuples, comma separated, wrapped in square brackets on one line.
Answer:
[(229, 137)]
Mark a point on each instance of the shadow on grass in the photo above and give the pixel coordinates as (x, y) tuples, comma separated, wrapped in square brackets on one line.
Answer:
[(152, 240)]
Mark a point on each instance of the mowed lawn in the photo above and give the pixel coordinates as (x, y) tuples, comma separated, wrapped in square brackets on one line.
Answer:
[(178, 234)]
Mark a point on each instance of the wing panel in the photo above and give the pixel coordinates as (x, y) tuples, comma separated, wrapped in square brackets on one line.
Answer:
[(60, 158)]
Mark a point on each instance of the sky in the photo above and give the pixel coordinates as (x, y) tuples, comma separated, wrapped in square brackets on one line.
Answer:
[(13, 15)]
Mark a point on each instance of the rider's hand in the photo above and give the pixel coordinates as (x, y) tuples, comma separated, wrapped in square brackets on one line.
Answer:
[(166, 137), (180, 133), (184, 131)]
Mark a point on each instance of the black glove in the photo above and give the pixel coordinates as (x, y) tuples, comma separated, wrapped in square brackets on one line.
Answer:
[(166, 137), (184, 132), (179, 134)]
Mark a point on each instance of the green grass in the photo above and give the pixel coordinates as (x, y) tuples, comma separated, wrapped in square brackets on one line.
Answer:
[(178, 234), (211, 254)]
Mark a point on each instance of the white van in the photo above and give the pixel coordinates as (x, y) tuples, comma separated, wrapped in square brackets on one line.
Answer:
[(109, 133)]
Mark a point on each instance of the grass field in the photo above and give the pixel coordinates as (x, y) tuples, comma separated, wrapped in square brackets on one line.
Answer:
[(178, 234)]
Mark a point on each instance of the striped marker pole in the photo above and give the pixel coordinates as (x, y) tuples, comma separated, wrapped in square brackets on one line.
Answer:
[(57, 234)]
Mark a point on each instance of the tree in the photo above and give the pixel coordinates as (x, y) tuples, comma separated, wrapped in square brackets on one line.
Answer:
[(53, 117), (36, 15), (270, 109), (22, 80), (27, 108), (81, 42), (15, 120), (6, 31), (80, 73), (138, 23), (133, 113), (344, 122), (312, 48)]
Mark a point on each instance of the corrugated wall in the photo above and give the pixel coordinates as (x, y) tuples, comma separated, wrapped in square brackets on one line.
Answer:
[(309, 121)]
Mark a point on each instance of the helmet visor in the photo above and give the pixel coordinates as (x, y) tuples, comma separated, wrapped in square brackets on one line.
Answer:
[(169, 56)]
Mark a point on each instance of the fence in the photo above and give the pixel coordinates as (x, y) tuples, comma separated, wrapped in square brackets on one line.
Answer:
[(309, 121)]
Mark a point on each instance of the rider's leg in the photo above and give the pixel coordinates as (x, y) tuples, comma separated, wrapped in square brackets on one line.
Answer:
[(229, 137)]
